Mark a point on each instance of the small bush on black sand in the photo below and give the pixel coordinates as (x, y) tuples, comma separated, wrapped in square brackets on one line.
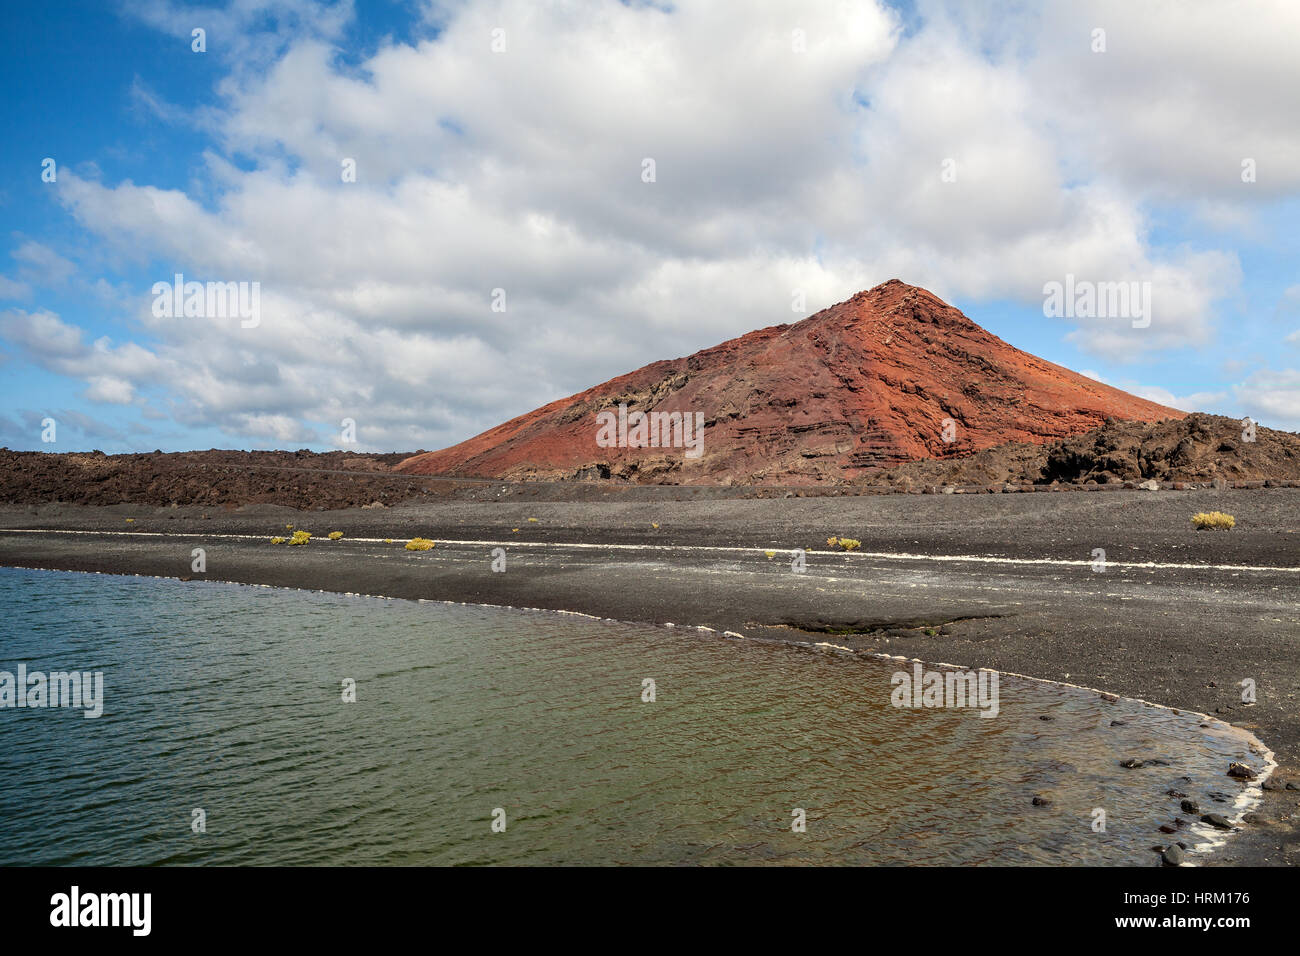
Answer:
[(1213, 519)]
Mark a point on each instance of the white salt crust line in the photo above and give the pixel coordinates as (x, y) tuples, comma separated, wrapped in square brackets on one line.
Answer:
[(723, 549), (1212, 838)]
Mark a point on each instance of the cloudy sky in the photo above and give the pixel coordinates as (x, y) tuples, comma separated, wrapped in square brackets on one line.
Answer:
[(978, 149)]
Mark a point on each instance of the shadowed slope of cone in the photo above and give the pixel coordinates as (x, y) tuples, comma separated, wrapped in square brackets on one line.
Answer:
[(864, 384)]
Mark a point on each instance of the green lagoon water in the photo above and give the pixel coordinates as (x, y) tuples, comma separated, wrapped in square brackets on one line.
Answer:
[(229, 698)]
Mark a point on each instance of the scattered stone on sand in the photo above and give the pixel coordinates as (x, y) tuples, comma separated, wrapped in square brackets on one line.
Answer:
[(1217, 820), (1255, 818), (1274, 784)]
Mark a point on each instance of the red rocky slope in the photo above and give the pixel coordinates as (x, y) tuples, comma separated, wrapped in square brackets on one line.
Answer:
[(867, 383)]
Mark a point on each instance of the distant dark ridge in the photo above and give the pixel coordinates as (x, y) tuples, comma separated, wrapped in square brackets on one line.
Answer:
[(1197, 449)]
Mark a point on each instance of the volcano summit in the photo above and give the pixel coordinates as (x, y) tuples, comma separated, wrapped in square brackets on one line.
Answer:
[(892, 375)]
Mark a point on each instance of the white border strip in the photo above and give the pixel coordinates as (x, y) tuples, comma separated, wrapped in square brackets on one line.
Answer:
[(717, 549)]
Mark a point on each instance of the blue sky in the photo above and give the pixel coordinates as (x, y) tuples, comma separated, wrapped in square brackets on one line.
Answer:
[(520, 168)]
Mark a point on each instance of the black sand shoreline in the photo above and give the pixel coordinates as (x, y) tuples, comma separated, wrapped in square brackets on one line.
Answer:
[(1148, 627)]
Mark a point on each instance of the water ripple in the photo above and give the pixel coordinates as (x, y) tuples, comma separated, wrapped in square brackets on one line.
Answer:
[(228, 699)]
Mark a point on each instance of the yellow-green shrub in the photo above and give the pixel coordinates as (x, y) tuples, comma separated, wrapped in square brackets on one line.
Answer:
[(419, 544), (1213, 519), (300, 537), (277, 540), (848, 544), (335, 535)]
